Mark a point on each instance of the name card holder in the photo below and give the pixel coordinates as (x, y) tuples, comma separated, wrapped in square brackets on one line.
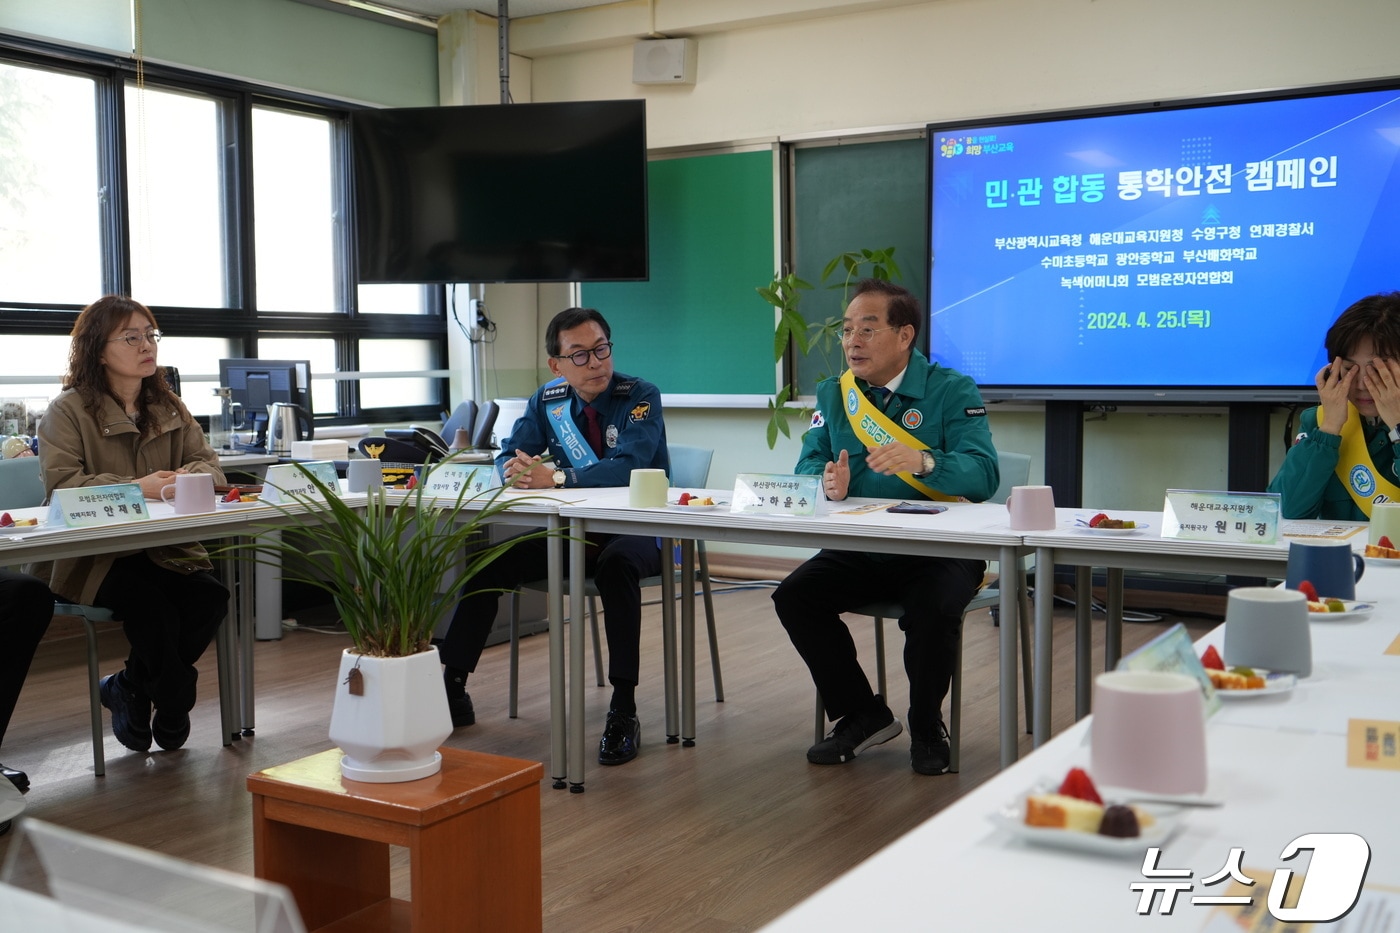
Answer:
[(92, 506), (1230, 517), (775, 494), (284, 482), (1173, 651), (449, 479)]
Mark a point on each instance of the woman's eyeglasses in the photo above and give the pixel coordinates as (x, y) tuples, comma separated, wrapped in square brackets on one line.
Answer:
[(602, 352), (135, 340)]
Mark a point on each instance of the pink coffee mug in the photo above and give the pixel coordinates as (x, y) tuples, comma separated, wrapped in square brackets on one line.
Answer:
[(1148, 732), (1032, 508), (194, 493)]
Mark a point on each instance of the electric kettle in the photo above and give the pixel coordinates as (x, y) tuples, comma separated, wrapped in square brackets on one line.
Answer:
[(286, 423)]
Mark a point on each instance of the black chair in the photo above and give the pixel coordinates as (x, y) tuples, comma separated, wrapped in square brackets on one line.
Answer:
[(485, 424), (463, 416)]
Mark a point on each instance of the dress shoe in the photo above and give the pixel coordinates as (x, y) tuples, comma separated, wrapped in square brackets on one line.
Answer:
[(461, 709), (131, 712), (170, 729), (17, 778), (622, 738)]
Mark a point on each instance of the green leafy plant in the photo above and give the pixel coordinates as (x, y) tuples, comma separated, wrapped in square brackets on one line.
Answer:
[(383, 564), (820, 339)]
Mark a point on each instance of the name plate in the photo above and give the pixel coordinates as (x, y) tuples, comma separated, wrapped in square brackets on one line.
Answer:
[(1173, 651), (775, 494), (89, 506), (1232, 517), (458, 479), (284, 482)]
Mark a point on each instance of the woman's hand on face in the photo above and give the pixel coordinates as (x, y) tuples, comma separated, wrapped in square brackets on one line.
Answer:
[(152, 484), (1382, 380), (1333, 387)]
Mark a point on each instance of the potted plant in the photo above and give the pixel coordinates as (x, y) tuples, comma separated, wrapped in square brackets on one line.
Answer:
[(784, 293), (393, 569)]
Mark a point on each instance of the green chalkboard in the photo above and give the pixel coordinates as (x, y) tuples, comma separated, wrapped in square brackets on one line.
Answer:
[(698, 327), (851, 197)]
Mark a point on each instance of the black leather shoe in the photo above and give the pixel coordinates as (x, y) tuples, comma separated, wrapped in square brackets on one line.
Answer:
[(131, 713), (17, 778), (170, 729), (462, 712), (622, 739), (930, 754)]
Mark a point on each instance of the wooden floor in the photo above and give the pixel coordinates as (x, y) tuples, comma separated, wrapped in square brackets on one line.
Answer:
[(720, 837)]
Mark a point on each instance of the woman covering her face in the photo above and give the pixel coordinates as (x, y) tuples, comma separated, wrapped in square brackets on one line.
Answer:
[(117, 421)]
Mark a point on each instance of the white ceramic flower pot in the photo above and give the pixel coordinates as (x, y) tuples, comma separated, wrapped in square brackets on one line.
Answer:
[(391, 732)]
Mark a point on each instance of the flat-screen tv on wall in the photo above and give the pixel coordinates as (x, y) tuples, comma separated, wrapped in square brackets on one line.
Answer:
[(553, 192), (1177, 251)]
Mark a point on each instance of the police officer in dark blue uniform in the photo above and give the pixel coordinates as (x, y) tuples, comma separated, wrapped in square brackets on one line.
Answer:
[(589, 427)]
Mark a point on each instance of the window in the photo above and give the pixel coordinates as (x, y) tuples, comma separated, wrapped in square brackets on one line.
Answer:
[(218, 203), (175, 191), (50, 230)]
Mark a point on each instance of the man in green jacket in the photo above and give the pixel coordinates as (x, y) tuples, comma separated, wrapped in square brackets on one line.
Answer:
[(892, 426)]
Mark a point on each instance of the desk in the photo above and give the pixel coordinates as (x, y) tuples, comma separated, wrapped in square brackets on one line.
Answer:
[(1277, 762), (965, 530)]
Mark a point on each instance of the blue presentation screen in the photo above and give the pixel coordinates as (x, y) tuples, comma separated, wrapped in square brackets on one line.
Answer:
[(1191, 252)]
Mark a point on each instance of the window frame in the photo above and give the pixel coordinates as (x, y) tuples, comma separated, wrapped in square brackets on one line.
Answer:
[(239, 320)]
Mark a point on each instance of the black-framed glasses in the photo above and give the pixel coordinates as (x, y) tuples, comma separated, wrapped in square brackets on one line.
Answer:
[(135, 340), (580, 358)]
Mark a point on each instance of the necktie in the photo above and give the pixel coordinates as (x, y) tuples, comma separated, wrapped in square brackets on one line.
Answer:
[(880, 396), (592, 432)]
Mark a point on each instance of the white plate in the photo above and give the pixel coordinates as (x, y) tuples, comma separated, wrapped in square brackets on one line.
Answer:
[(1114, 531), (1383, 561), (1354, 610), (1012, 818), (1274, 682), (695, 508), (238, 505)]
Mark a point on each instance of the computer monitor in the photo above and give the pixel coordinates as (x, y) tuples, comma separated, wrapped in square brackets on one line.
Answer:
[(256, 384)]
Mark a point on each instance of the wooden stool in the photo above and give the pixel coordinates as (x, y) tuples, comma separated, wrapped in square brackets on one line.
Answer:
[(472, 832)]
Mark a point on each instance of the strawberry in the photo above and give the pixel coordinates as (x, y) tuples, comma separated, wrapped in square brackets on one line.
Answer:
[(1094, 522), (412, 482), (1211, 660), (1308, 590), (233, 495), (684, 499), (1386, 542), (6, 521), (1078, 784)]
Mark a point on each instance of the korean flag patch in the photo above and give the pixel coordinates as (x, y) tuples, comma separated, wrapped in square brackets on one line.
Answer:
[(817, 420)]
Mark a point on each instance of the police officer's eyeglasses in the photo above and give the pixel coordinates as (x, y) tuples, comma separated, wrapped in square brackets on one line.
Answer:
[(135, 340), (602, 351)]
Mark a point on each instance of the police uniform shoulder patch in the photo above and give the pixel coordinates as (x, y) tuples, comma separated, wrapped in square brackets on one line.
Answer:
[(978, 412), (551, 393), (623, 389), (640, 412)]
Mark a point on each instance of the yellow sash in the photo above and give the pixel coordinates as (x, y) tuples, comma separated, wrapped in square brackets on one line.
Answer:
[(875, 428), (1363, 482)]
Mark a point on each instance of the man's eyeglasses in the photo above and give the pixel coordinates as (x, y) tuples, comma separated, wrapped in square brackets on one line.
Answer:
[(135, 340), (864, 333), (602, 351)]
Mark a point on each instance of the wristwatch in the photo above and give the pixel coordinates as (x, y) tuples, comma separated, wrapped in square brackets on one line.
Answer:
[(927, 465), (1395, 434), (559, 478)]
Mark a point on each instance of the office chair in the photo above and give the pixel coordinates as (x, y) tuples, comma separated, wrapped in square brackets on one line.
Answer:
[(21, 483), (690, 469), (1015, 470), (485, 424), (463, 416)]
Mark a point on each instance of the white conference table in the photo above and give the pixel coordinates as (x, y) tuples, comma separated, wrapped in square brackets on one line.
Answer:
[(1071, 545), (966, 530), (1278, 764)]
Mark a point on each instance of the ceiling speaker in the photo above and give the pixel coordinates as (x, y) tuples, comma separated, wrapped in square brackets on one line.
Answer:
[(663, 61)]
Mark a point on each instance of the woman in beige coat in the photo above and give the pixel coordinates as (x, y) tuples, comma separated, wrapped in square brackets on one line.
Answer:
[(118, 422)]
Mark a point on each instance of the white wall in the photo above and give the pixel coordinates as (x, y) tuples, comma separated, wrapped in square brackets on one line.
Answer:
[(783, 68)]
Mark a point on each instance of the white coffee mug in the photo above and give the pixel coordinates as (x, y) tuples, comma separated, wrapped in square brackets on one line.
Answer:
[(647, 489), (1032, 508), (363, 475), (194, 493)]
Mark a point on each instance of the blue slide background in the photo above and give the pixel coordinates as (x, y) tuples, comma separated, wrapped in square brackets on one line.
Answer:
[(1006, 320)]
